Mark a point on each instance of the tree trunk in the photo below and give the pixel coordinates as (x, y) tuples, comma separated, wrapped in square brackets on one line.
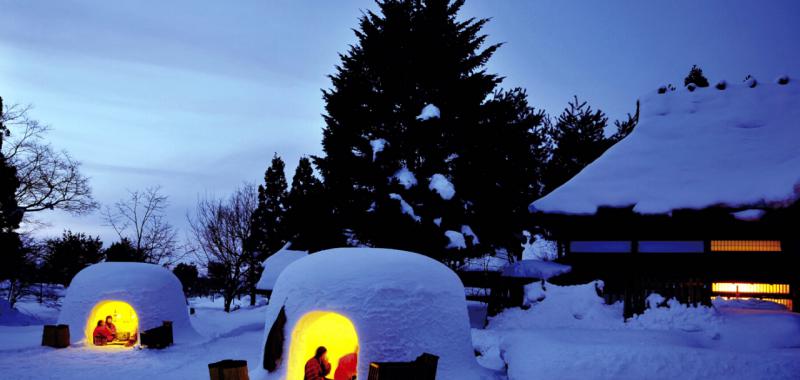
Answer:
[(228, 301), (252, 297)]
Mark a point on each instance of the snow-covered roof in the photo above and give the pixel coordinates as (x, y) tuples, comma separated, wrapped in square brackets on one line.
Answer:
[(154, 292), (737, 148), (275, 264), (388, 297)]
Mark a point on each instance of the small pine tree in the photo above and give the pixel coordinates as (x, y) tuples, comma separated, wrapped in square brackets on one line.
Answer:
[(624, 128), (579, 138), (696, 77)]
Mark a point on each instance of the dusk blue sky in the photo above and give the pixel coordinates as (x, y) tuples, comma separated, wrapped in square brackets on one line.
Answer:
[(196, 96)]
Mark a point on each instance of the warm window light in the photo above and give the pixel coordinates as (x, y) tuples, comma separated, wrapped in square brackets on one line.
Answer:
[(124, 316), (745, 246), (781, 301), (320, 328), (749, 288)]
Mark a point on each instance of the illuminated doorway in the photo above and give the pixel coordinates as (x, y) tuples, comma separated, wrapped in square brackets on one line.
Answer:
[(320, 328), (124, 318)]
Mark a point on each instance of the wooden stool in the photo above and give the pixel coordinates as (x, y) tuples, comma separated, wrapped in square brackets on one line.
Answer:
[(228, 370), (56, 336)]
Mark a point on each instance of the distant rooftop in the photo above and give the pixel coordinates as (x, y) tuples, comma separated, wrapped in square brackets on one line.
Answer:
[(737, 148)]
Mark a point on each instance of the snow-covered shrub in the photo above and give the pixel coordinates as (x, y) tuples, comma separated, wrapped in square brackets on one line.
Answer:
[(782, 80), (721, 85), (561, 306), (673, 315), (750, 81), (691, 87)]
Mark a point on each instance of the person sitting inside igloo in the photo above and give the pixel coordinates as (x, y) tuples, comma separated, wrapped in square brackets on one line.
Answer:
[(102, 334), (111, 327), (318, 367), (347, 367)]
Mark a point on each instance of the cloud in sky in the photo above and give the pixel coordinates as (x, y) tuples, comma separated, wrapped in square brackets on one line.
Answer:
[(196, 96)]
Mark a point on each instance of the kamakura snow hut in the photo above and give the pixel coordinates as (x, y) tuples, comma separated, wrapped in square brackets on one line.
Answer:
[(393, 305), (138, 296), (700, 200)]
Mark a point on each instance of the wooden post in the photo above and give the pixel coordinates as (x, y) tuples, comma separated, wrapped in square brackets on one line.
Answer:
[(228, 369)]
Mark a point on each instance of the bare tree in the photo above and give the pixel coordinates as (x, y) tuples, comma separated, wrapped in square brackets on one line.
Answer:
[(50, 179), (220, 228), (141, 220)]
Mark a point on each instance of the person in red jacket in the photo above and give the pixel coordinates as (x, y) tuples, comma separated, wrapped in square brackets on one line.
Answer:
[(318, 367), (102, 334), (111, 327), (348, 366)]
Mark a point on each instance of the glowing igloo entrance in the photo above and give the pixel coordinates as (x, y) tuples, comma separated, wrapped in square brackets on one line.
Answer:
[(124, 318), (320, 328)]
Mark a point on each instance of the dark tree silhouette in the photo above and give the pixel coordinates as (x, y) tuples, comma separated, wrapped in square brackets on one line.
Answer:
[(124, 251), (67, 255), (12, 257), (188, 275), (696, 77), (579, 138), (268, 234)]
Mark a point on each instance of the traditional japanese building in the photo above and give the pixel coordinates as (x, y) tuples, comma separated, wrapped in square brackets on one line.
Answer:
[(699, 201)]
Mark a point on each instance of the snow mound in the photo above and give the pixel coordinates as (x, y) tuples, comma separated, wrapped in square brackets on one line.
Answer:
[(405, 177), (13, 317), (430, 111), (387, 295), (553, 306), (405, 207), (154, 292), (738, 148), (275, 264), (456, 240), (443, 186), (467, 232)]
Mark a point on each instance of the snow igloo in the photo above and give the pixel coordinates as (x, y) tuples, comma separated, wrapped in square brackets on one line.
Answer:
[(390, 305), (137, 296)]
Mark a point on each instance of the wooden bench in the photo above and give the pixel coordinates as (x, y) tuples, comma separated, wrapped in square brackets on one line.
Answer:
[(424, 368), (159, 337)]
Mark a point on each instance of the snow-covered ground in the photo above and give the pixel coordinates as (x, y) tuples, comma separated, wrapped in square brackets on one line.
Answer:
[(237, 335), (567, 333)]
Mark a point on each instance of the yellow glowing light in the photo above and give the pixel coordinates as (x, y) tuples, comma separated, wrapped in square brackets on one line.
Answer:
[(320, 328), (124, 318), (749, 288), (745, 246), (781, 301)]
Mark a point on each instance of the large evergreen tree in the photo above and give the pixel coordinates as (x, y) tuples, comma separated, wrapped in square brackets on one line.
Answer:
[(382, 151)]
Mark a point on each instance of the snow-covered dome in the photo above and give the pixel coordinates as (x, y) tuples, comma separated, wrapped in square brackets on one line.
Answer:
[(138, 295), (393, 305), (275, 264)]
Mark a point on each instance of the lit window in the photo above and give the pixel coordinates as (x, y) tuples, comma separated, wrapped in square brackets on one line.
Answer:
[(749, 288), (745, 246), (780, 301)]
